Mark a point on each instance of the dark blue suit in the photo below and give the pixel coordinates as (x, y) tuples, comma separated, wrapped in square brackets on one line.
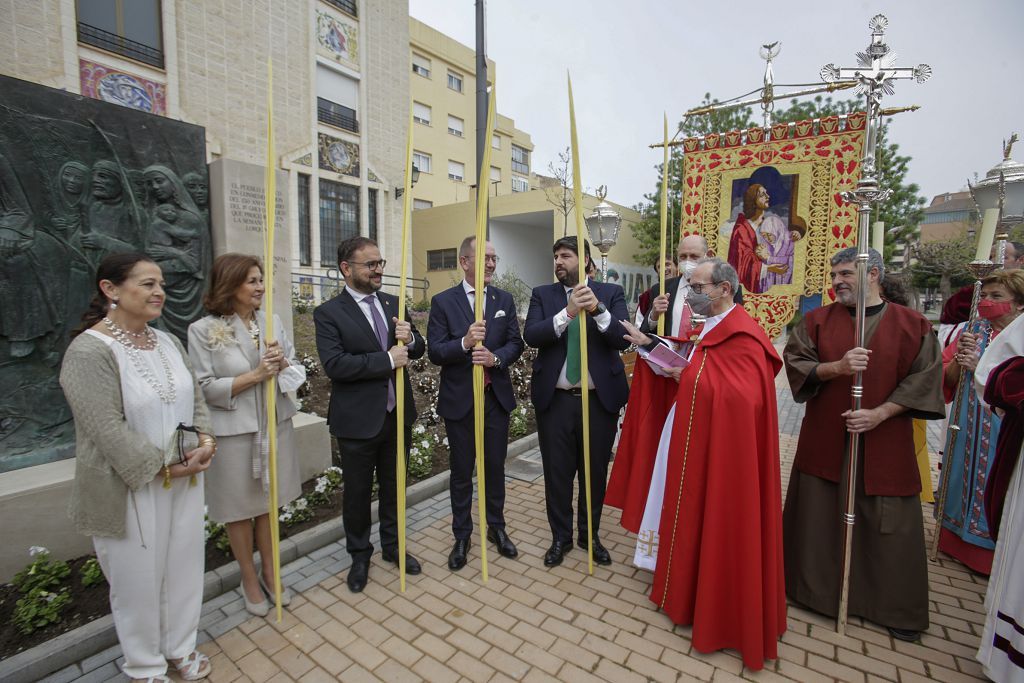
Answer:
[(450, 318), (559, 413), (358, 418)]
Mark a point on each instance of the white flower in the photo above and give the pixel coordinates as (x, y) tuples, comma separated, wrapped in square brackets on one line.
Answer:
[(425, 443), (334, 468), (37, 550), (300, 504), (285, 517), (444, 441), (220, 335), (419, 429), (414, 452)]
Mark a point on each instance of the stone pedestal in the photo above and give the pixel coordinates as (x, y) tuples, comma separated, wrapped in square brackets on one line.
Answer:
[(237, 217), (34, 500)]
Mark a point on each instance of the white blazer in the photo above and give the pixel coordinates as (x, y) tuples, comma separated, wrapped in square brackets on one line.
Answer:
[(220, 349)]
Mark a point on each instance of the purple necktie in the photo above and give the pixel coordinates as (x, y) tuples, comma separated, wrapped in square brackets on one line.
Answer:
[(381, 329)]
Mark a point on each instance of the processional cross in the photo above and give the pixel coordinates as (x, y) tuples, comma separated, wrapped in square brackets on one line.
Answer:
[(875, 75)]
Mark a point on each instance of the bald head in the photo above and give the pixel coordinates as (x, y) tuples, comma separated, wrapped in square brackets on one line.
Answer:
[(692, 248)]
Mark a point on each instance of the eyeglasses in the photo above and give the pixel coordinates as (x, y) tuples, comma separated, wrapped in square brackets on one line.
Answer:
[(370, 265), (698, 287), (487, 259)]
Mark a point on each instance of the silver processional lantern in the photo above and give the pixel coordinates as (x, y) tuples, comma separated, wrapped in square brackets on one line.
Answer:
[(1003, 189), (603, 224)]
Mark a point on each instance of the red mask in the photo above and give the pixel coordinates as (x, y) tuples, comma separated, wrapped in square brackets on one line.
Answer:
[(993, 310)]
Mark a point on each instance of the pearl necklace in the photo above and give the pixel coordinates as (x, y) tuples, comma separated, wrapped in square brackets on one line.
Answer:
[(168, 393)]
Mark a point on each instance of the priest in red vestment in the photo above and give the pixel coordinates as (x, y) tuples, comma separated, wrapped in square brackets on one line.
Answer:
[(719, 560)]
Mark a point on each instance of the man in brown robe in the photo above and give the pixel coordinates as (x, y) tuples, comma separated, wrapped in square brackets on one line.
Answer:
[(902, 368)]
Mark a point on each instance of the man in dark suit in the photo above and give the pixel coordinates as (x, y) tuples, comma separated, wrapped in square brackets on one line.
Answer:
[(452, 336), (552, 326), (672, 305), (357, 334)]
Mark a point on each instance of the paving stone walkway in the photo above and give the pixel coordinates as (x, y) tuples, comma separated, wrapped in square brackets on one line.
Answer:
[(528, 623)]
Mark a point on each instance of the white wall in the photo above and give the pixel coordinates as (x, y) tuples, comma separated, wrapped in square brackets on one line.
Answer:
[(524, 248)]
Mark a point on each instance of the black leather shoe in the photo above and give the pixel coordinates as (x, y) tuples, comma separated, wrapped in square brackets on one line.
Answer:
[(601, 554), (505, 545), (558, 550), (905, 635), (412, 565), (457, 557), (356, 579)]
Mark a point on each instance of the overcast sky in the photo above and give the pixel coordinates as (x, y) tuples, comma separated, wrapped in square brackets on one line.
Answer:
[(631, 60)]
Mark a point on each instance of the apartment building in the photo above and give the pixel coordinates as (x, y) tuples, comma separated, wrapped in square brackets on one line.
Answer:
[(442, 80)]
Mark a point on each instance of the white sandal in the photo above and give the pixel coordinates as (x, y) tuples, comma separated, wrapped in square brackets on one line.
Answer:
[(194, 667)]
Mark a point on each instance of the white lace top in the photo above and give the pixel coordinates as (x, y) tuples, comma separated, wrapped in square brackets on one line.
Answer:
[(144, 412)]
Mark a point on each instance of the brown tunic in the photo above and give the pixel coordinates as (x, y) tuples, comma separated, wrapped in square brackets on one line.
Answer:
[(889, 573)]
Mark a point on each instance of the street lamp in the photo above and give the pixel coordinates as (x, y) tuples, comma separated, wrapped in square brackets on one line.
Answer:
[(399, 191), (603, 225)]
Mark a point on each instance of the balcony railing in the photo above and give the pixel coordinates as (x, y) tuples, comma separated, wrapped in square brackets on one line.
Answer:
[(336, 115), (348, 6), (105, 40)]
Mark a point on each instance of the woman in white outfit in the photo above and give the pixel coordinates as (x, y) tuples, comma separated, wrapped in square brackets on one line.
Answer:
[(138, 488), (233, 360)]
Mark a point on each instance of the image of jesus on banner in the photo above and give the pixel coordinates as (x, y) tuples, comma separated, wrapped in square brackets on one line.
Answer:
[(765, 229)]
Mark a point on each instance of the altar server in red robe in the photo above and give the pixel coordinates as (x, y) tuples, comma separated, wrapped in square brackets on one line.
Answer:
[(714, 487)]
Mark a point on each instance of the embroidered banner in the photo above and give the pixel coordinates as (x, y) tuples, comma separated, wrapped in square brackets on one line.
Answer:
[(768, 201)]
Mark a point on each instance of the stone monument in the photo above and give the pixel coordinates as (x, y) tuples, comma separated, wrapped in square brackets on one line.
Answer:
[(80, 179)]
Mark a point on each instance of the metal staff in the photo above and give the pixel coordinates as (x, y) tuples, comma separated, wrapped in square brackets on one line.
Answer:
[(584, 370), (874, 77), (482, 195)]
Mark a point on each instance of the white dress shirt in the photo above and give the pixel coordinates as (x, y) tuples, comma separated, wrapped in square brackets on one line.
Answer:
[(561, 322), (471, 297), (358, 297)]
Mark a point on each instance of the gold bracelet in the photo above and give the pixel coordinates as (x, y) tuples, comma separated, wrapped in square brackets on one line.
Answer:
[(207, 440), (167, 476)]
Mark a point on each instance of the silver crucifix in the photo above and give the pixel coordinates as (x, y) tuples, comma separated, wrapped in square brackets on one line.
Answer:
[(875, 75)]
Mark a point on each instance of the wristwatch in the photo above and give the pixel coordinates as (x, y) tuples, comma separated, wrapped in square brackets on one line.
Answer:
[(600, 308), (497, 361)]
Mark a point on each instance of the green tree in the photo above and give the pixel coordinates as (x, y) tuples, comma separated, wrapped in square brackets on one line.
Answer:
[(942, 265), (902, 212)]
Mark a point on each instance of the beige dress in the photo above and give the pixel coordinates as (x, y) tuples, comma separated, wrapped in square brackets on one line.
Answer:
[(237, 483)]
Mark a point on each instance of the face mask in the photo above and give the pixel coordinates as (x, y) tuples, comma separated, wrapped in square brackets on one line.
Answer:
[(699, 303), (993, 310), (686, 269)]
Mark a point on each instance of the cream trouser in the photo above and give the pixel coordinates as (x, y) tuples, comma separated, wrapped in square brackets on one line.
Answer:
[(156, 575)]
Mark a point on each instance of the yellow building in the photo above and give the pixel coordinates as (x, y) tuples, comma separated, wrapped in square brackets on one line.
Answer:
[(443, 86), (524, 226)]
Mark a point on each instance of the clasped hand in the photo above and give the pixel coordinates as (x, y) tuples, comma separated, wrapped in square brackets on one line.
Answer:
[(196, 460), (659, 306), (474, 335), (967, 352), (583, 298), (863, 420), (855, 360), (399, 353), (272, 362)]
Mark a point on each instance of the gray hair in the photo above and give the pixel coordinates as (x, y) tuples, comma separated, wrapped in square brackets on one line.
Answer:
[(849, 255), (722, 271)]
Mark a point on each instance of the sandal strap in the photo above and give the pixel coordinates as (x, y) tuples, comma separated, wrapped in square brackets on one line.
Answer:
[(191, 666)]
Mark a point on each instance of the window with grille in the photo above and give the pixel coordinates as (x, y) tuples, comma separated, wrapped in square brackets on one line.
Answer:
[(442, 259), (421, 204), (520, 184), (371, 211), (456, 170), (337, 99), (131, 29), (520, 159), (339, 218)]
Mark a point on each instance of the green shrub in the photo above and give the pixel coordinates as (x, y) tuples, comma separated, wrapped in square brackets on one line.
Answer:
[(91, 573)]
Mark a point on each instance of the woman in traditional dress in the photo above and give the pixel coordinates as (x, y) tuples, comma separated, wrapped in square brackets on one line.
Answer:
[(233, 360), (965, 528), (138, 476)]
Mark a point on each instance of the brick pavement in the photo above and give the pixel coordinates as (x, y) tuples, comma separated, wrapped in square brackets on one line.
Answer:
[(534, 624)]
